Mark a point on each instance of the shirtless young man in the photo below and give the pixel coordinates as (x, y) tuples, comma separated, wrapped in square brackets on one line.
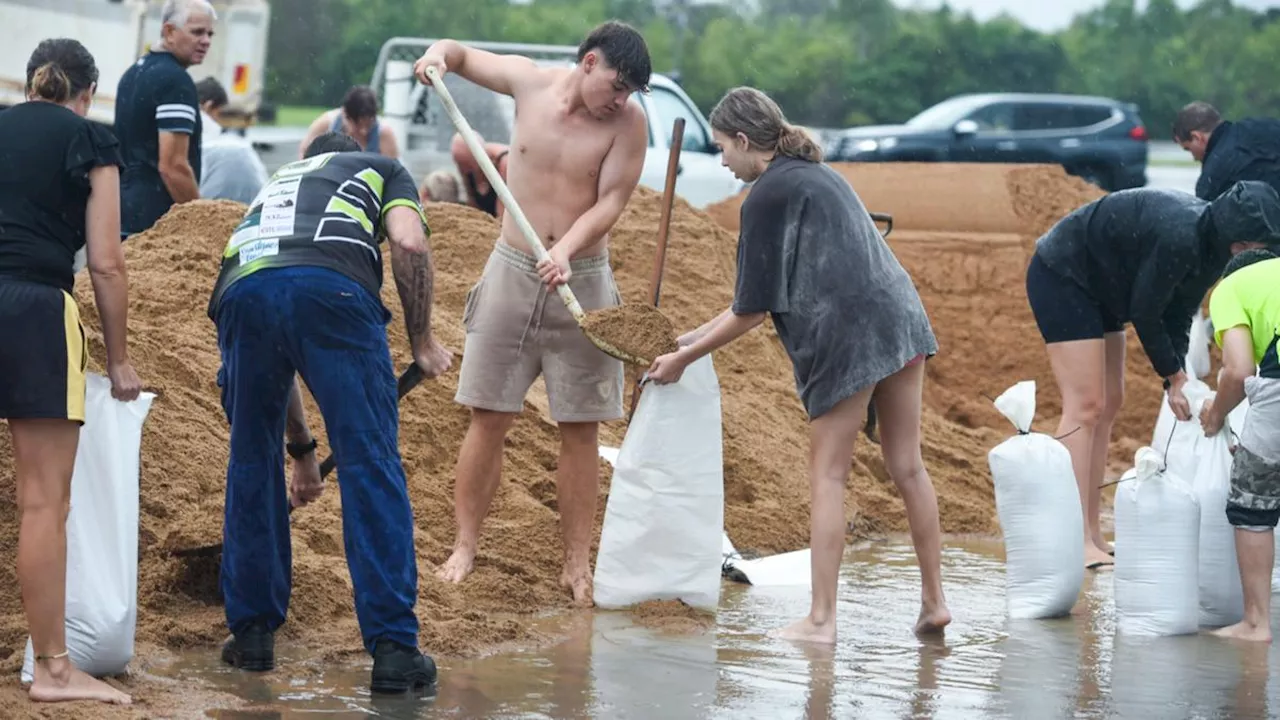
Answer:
[(577, 152)]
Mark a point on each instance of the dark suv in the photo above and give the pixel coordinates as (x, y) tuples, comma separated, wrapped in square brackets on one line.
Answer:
[(1099, 139)]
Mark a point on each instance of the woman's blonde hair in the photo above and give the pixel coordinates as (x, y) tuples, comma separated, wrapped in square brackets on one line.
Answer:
[(749, 111)]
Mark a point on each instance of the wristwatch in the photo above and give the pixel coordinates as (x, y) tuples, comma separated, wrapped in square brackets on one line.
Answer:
[(297, 451)]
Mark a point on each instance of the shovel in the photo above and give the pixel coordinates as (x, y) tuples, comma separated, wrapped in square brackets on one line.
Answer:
[(509, 203), (409, 379)]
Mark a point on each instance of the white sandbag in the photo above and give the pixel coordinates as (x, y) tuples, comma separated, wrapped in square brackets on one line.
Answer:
[(1167, 425), (1038, 504), (664, 521), (102, 534), (1221, 596), (1275, 574), (1157, 546), (1197, 360)]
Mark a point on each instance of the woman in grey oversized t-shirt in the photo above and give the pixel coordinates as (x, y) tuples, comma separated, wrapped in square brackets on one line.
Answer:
[(849, 316)]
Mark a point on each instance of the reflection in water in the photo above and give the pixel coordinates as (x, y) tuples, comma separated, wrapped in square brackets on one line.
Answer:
[(985, 667)]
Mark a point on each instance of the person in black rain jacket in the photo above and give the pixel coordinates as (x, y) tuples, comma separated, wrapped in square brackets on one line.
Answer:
[(1247, 149), (1144, 256)]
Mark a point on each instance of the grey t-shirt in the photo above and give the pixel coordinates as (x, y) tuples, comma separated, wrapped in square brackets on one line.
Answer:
[(845, 309)]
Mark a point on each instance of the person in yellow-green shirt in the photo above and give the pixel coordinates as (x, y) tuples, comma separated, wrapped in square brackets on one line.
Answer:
[(1245, 310)]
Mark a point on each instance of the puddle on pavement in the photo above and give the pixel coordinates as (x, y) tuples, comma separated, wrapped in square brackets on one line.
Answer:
[(986, 667)]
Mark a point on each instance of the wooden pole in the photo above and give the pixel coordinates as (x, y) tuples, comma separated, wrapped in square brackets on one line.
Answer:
[(664, 228)]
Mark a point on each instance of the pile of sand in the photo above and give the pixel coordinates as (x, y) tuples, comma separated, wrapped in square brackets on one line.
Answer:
[(184, 453)]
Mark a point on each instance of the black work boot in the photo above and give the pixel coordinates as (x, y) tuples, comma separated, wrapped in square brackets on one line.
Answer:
[(398, 668), (254, 649)]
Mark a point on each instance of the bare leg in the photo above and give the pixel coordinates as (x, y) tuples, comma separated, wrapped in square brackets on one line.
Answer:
[(898, 398), (1080, 369), (44, 453), (1113, 399), (1256, 554), (577, 490), (831, 439), (479, 473)]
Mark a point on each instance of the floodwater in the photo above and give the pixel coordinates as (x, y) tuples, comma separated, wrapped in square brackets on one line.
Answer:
[(985, 667)]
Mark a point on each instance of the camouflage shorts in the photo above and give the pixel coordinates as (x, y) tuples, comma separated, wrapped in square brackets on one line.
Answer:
[(1254, 499)]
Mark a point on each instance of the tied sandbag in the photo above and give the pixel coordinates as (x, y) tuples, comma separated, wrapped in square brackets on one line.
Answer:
[(664, 522), (1197, 361), (1221, 596), (1275, 573), (1157, 546), (1169, 427), (102, 534), (1038, 504)]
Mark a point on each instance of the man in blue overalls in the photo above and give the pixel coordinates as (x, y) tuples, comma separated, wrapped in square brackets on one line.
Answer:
[(299, 292)]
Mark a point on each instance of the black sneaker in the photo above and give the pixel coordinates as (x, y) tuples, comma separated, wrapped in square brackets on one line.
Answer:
[(398, 668), (253, 650)]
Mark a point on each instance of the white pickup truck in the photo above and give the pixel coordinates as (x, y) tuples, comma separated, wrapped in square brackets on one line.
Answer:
[(118, 32), (424, 130)]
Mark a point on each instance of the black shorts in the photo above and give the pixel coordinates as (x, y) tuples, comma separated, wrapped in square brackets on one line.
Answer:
[(1063, 310), (43, 356)]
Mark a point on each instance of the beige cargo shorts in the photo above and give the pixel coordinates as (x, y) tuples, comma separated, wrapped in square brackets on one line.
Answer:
[(516, 328)]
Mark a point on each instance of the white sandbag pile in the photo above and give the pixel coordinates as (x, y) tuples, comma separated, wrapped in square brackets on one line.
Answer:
[(1221, 596), (102, 534), (664, 522), (1157, 543), (1038, 504)]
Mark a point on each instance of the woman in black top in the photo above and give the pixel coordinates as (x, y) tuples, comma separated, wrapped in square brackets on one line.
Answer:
[(1145, 256), (59, 189)]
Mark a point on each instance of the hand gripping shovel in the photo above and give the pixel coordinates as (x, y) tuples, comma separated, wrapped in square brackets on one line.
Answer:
[(409, 379), (509, 202)]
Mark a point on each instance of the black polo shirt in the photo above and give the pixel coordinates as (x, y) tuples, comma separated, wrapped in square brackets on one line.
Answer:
[(155, 95)]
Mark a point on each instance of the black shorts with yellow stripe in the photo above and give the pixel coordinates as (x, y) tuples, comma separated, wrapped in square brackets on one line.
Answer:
[(42, 354)]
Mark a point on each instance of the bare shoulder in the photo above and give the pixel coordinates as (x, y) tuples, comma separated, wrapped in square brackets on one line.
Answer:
[(633, 125)]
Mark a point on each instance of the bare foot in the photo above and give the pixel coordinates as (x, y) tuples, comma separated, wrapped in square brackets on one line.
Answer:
[(67, 683), (459, 565), (807, 630), (1095, 558), (1245, 631), (579, 583), (932, 620)]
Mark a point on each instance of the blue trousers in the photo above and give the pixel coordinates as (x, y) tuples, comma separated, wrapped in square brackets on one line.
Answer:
[(332, 332)]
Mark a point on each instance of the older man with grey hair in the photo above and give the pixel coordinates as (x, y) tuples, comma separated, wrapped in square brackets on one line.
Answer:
[(158, 118)]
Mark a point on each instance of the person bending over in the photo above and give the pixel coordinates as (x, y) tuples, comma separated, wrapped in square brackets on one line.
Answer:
[(577, 154), (1245, 308), (1247, 149), (480, 194), (303, 295), (358, 119), (1145, 256), (59, 190), (852, 323)]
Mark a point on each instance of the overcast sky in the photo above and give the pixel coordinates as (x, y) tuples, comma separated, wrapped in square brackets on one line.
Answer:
[(1046, 15)]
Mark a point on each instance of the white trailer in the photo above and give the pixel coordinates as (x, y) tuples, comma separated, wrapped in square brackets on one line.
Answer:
[(118, 32)]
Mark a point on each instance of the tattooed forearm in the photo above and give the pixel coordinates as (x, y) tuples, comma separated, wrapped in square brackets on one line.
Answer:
[(295, 426), (415, 283)]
